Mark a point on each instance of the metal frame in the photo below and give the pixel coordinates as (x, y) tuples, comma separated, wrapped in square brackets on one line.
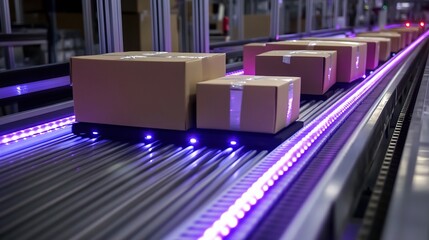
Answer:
[(407, 216), (309, 7), (110, 25), (299, 20), (7, 28), (87, 26), (240, 18), (275, 19), (200, 25), (161, 29)]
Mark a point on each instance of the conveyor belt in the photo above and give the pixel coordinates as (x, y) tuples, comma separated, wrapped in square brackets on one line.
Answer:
[(73, 187)]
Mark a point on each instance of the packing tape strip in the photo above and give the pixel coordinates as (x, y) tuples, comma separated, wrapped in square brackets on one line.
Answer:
[(235, 101), (311, 45), (357, 56), (287, 57), (289, 105)]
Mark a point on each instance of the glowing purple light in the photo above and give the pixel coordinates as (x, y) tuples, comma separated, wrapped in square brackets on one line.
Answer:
[(304, 138), (364, 76), (193, 140), (148, 137), (94, 133), (233, 143), (235, 73), (36, 130)]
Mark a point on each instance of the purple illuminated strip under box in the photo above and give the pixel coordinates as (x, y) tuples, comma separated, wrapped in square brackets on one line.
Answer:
[(36, 130), (304, 140)]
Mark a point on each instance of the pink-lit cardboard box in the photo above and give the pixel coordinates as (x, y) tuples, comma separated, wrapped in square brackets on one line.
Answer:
[(351, 56), (395, 39), (248, 103), (384, 46), (139, 92), (372, 49), (296, 63), (249, 54)]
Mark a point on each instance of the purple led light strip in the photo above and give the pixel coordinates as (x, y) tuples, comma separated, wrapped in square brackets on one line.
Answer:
[(235, 73), (36, 130), (297, 146)]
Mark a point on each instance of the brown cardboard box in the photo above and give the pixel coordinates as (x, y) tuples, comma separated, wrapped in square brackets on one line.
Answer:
[(248, 103), (404, 36), (296, 63), (351, 56), (249, 54), (256, 26), (384, 46), (372, 49), (395, 38), (413, 33), (137, 31), (138, 6), (142, 92), (213, 64)]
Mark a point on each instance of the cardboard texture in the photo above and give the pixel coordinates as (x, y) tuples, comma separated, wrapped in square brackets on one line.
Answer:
[(256, 25), (263, 104), (296, 63), (372, 49), (249, 54), (139, 5), (143, 92), (213, 64), (405, 38), (395, 38), (137, 31), (351, 56), (413, 32), (384, 46)]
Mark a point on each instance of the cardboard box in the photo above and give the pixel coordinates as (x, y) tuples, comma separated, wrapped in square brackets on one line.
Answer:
[(137, 31), (405, 37), (213, 64), (296, 63), (138, 6), (256, 25), (413, 32), (141, 92), (249, 54), (248, 103), (384, 46), (395, 38), (372, 49), (351, 56)]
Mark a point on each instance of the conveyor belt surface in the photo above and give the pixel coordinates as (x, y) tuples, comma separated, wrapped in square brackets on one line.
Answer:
[(73, 187)]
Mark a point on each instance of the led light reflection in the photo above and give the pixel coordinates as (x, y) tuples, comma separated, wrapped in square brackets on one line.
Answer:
[(36, 130)]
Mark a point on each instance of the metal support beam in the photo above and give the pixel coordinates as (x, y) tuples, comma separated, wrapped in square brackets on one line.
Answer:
[(336, 11), (161, 29), (87, 26), (299, 22), (110, 25), (240, 18), (19, 12), (7, 28), (324, 13), (183, 26), (346, 23), (309, 15), (275, 19), (200, 20)]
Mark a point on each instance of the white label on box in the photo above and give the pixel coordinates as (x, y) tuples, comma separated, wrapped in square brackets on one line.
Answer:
[(286, 59)]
